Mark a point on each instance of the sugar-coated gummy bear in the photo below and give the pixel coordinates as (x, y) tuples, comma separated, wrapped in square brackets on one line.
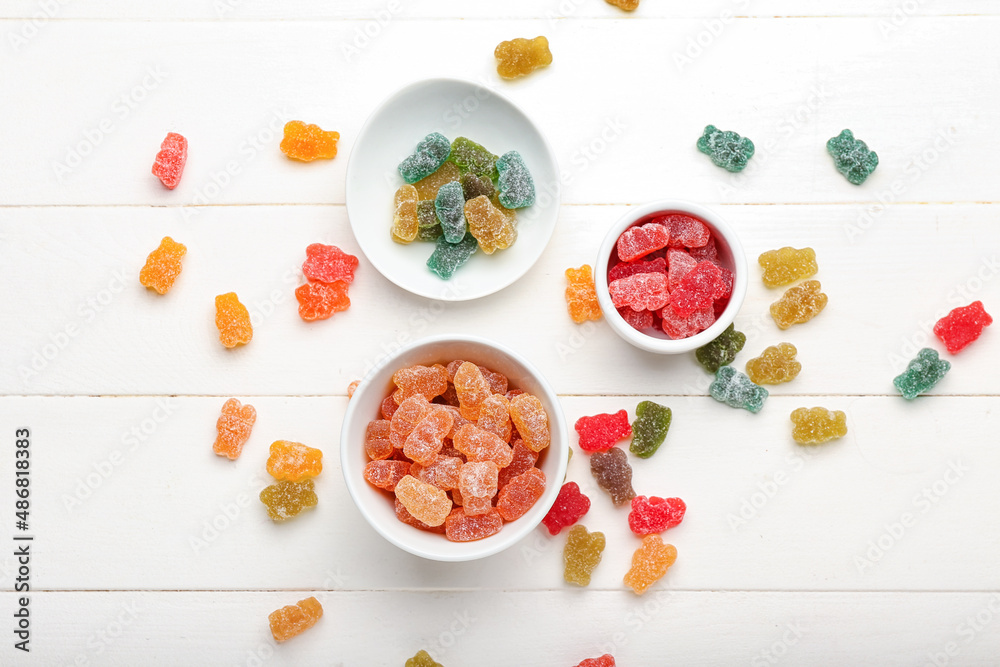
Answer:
[(377, 443), (570, 505), (581, 295), (429, 155), (531, 421), (308, 142), (427, 438), (488, 225), (727, 149), (404, 516), (232, 319), (722, 351), (520, 56), (602, 431), (428, 225), (678, 327), (405, 223), (649, 430), (625, 269), (233, 428), (294, 461), (629, 6), (410, 413), (852, 157), (472, 158), (813, 426), (520, 494), (427, 188), (478, 483), (522, 458), (478, 444), (650, 563), (654, 515), (450, 257), (293, 620), (319, 301), (606, 660), (285, 499), (514, 181), (786, 265), (921, 374), (494, 416), (640, 240), (799, 304), (582, 554), (472, 389), (637, 319), (698, 289), (429, 381), (613, 474), (962, 326), (680, 264), (425, 502), (473, 186), (463, 527), (328, 263), (170, 161), (643, 291), (709, 251), (775, 365), (685, 230), (450, 208), (162, 266), (736, 390), (442, 472), (422, 659), (386, 474)]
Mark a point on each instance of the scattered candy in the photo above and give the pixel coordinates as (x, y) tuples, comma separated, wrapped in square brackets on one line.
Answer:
[(736, 390), (581, 295), (319, 301), (427, 188), (428, 156), (962, 326), (643, 291), (606, 660), (786, 265), (655, 515), (520, 494), (162, 266), (813, 426), (422, 659), (722, 351), (474, 159), (514, 181), (640, 240), (286, 499), (921, 374), (293, 620), (328, 263), (405, 223), (294, 461), (425, 502), (450, 208), (308, 142), (450, 257), (650, 563), (613, 474), (649, 430), (170, 161), (519, 57), (351, 388), (601, 432), (582, 554), (233, 428), (569, 507), (852, 157), (799, 304), (775, 365), (232, 320), (727, 149)]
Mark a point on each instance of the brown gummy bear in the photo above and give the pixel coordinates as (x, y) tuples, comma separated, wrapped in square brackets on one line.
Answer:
[(233, 427), (308, 142), (520, 56), (285, 499), (233, 320), (613, 474), (294, 461), (163, 265), (293, 620)]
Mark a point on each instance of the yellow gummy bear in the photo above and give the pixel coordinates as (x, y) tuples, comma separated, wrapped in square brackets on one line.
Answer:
[(775, 365), (813, 426), (520, 56), (405, 223), (786, 265), (799, 304)]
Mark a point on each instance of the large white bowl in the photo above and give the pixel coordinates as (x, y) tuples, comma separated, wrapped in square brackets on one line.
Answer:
[(377, 506), (730, 254), (454, 108)]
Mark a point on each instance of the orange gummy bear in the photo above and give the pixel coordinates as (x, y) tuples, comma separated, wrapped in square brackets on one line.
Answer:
[(627, 5), (430, 381), (472, 389), (308, 142), (520, 56), (234, 427), (295, 619), (581, 295), (294, 461), (163, 265), (649, 563), (531, 421), (233, 320), (318, 301), (426, 503)]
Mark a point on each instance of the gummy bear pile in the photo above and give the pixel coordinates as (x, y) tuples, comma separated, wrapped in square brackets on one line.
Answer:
[(460, 197), (457, 449), (666, 275)]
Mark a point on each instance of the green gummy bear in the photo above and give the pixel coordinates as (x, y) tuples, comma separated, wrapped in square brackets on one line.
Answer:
[(473, 158), (852, 157), (430, 154), (649, 430), (449, 257), (721, 351), (450, 207), (921, 374), (428, 225), (727, 149), (517, 187), (736, 390)]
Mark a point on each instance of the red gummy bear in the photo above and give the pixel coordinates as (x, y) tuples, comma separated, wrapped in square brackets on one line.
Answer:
[(698, 289), (654, 515), (639, 241), (626, 269), (569, 507), (685, 231), (681, 264), (318, 301), (962, 326), (643, 291), (328, 263), (170, 161), (678, 327), (602, 431), (637, 319), (606, 660)]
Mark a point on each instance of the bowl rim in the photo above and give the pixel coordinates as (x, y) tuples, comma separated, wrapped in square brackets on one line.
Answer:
[(553, 189), (740, 279), (512, 533)]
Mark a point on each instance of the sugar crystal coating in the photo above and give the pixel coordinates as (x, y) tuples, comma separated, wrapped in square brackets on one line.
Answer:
[(722, 351), (429, 155), (328, 263), (582, 554), (813, 426), (472, 389), (494, 417), (428, 381), (921, 374), (423, 501), (405, 223), (162, 266), (442, 472), (478, 444), (308, 142), (581, 295), (488, 225), (169, 163), (428, 225), (294, 461), (625, 269), (786, 265), (736, 390), (478, 483), (422, 659), (613, 473), (450, 257), (640, 240), (377, 443), (727, 149), (649, 430), (654, 515), (404, 516), (514, 181), (650, 563), (286, 499), (293, 620), (450, 208), (427, 187), (463, 527), (472, 158), (799, 304), (233, 428), (962, 326), (319, 301), (232, 319), (698, 289), (602, 431), (531, 421), (520, 494), (386, 474), (637, 319), (775, 365), (522, 458), (685, 231), (570, 505), (642, 291), (411, 412), (473, 186), (606, 660), (427, 437), (681, 263), (520, 56), (678, 327), (852, 157)]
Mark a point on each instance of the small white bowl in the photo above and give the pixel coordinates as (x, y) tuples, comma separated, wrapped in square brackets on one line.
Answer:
[(454, 108), (730, 254), (377, 506)]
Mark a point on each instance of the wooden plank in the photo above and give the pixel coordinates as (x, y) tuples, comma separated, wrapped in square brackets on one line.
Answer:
[(85, 326), (896, 505)]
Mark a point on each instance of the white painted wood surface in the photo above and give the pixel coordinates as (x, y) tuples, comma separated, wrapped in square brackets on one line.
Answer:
[(121, 389)]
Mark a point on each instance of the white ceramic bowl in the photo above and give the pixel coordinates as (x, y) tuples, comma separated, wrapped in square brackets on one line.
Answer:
[(730, 254), (377, 506), (454, 108)]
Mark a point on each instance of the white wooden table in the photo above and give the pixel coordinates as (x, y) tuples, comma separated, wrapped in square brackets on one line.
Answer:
[(880, 548)]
